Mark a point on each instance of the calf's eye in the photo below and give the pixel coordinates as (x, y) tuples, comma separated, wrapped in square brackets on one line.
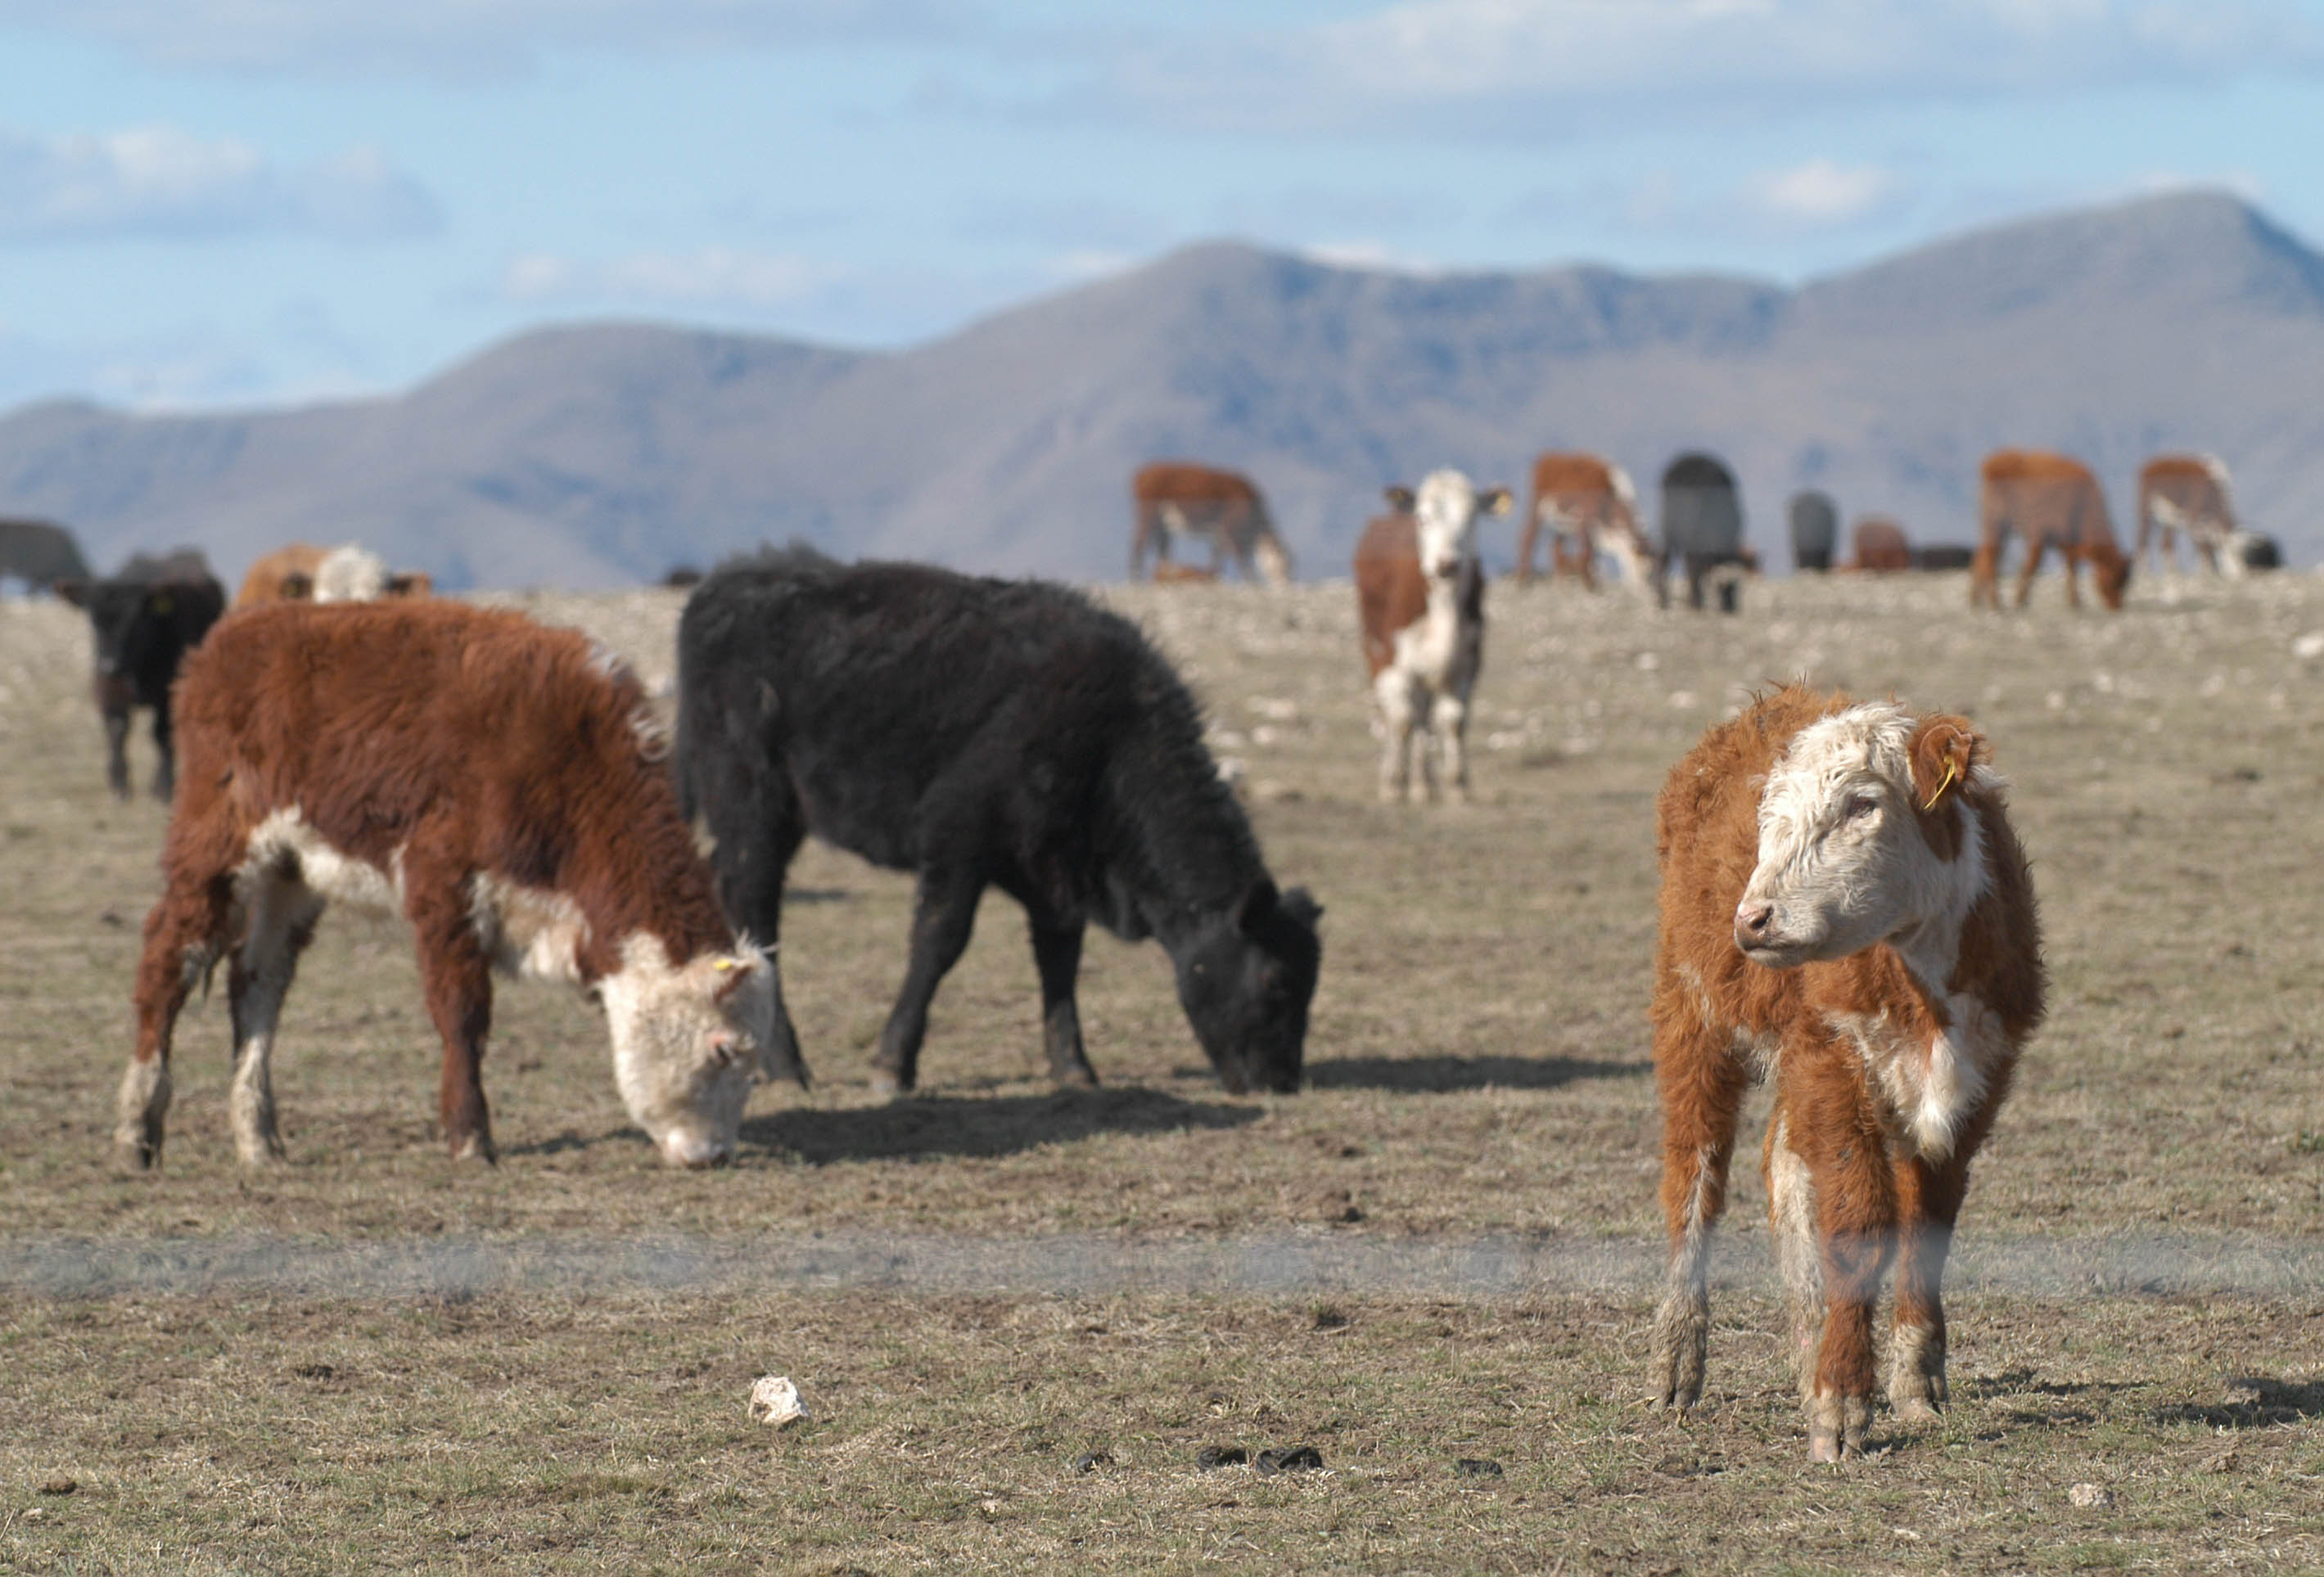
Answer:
[(1858, 805)]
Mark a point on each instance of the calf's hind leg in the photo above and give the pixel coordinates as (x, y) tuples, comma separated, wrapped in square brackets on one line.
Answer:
[(943, 917), (1058, 955), (282, 914), (457, 976)]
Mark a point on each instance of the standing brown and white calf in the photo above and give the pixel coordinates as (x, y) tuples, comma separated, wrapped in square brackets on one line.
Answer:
[(1420, 594), (500, 783), (1845, 906)]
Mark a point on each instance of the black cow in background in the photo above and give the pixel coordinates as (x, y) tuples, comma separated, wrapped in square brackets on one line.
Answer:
[(39, 554), (1702, 527), (146, 619), (983, 732)]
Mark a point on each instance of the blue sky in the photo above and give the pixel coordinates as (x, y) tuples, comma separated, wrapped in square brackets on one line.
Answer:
[(224, 202)]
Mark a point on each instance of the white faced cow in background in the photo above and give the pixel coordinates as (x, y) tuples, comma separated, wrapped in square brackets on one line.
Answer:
[(1420, 593)]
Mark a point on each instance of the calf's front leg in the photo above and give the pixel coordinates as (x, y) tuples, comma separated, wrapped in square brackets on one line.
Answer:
[(1928, 1201), (1856, 1222), (1701, 1085)]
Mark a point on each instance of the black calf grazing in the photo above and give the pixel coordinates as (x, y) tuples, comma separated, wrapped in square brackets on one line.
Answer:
[(146, 619), (985, 732)]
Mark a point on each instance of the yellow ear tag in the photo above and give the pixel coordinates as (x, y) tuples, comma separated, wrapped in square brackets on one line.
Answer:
[(725, 964), (1938, 791)]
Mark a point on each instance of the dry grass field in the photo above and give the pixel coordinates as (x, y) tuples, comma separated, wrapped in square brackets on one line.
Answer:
[(1444, 1249)]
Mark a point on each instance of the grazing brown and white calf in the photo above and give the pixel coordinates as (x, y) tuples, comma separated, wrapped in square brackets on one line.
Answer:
[(1420, 594), (502, 785), (1845, 906), (300, 572), (1590, 507), (2190, 494)]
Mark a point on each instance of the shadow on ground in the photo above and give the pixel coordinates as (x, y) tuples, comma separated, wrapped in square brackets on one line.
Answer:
[(2265, 1402), (986, 1126), (1438, 1075)]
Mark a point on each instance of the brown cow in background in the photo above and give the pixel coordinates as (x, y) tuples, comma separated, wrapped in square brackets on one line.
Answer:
[(1878, 546), (1174, 499), (2048, 501), (1590, 507)]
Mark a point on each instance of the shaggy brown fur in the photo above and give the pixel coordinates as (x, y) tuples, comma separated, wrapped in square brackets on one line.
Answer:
[(1721, 1021), (1576, 488), (2049, 501), (1391, 590), (439, 743)]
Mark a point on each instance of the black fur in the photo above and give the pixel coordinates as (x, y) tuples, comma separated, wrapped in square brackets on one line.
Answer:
[(145, 619), (986, 733)]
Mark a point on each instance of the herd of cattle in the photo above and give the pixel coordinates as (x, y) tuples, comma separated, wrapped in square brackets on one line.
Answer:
[(1589, 507), (1845, 908)]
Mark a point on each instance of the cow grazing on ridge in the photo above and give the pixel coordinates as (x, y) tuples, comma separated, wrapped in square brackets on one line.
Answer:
[(299, 572), (1815, 527), (2190, 494), (2047, 501), (1420, 601), (986, 733), (146, 620), (1174, 502), (39, 554), (1878, 546), (1590, 507), (501, 783), (1702, 528), (1844, 907)]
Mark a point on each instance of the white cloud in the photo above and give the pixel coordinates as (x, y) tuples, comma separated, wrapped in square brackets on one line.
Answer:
[(159, 181), (1370, 257), (710, 276), (1822, 192), (1463, 66)]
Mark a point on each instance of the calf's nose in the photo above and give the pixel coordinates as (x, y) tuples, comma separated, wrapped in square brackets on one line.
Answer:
[(1752, 921)]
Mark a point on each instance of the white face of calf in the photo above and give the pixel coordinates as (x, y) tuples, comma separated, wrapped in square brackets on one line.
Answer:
[(686, 1043), (1446, 508), (1863, 839)]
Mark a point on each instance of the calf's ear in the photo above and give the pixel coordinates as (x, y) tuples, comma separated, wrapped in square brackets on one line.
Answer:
[(1399, 498), (1943, 750), (1496, 502), (75, 592), (1257, 904), (1301, 906)]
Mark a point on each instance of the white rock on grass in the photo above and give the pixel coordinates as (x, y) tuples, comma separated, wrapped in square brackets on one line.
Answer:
[(776, 1401)]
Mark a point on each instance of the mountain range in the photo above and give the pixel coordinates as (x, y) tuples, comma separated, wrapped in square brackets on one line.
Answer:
[(602, 454)]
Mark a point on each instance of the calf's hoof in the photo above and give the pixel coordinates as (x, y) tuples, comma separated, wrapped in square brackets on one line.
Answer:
[(888, 1085), (1916, 1375), (134, 1153), (1073, 1077), (1837, 1427), (475, 1147)]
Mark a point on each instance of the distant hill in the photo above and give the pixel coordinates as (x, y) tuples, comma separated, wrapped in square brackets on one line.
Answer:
[(602, 454)]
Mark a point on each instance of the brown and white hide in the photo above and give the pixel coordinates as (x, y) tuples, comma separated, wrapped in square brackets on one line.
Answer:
[(1420, 594), (500, 784), (1846, 911)]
